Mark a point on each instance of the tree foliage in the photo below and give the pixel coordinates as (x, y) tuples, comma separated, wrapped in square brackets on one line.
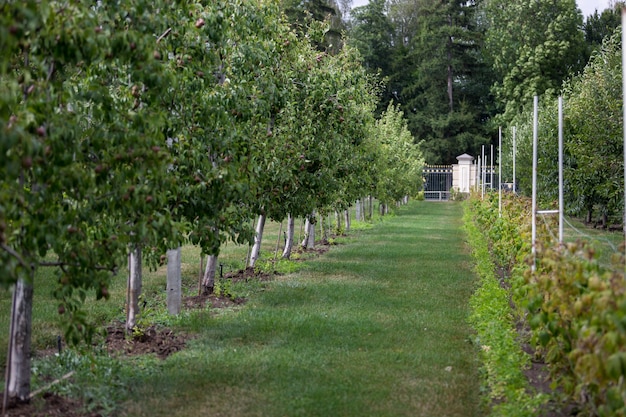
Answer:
[(599, 26), (301, 14), (595, 146), (533, 46), (399, 160), (82, 163), (592, 139)]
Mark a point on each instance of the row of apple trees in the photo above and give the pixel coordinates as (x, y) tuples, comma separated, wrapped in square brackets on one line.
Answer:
[(593, 148), (137, 126)]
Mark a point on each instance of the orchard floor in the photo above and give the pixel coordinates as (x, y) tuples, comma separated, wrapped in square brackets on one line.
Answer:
[(374, 327)]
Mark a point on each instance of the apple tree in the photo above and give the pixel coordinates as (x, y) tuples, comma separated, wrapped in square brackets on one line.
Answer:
[(81, 154)]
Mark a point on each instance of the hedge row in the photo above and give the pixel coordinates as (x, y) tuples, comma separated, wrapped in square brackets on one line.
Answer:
[(574, 306)]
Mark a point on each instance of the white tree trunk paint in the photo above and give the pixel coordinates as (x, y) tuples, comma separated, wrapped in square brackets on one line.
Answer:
[(357, 209), (133, 289), (208, 280), (258, 239), (309, 234), (291, 230), (21, 328), (174, 293)]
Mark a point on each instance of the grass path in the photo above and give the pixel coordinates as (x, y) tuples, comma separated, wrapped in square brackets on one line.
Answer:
[(376, 327)]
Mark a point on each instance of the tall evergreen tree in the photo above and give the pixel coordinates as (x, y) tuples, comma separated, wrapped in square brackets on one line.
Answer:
[(428, 54), (599, 26), (444, 102)]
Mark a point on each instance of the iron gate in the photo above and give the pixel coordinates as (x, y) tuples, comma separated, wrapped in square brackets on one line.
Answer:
[(437, 182)]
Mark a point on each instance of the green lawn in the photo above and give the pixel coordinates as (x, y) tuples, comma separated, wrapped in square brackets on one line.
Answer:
[(376, 327)]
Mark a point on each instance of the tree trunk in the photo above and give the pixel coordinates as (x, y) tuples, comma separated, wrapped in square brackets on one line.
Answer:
[(174, 294), (357, 209), (133, 289), (20, 338), (371, 207), (291, 230), (346, 215), (307, 226), (309, 234), (256, 249), (338, 221), (208, 281), (280, 231)]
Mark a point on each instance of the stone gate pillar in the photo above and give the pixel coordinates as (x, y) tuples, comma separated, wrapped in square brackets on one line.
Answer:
[(464, 173)]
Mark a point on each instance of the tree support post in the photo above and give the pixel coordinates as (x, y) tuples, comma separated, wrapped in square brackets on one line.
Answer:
[(174, 296)]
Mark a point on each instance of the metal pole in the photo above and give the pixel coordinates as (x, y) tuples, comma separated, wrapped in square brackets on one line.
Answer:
[(624, 110), (499, 172), (478, 173), (491, 171), (482, 174), (514, 156), (561, 170), (534, 191)]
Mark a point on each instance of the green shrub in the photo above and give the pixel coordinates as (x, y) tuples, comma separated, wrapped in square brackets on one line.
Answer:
[(491, 317), (575, 307), (578, 320)]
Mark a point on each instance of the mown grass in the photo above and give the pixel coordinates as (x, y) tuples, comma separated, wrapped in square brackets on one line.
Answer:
[(373, 328)]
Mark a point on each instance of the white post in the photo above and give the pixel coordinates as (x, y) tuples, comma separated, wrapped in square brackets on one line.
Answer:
[(624, 110), (534, 191), (514, 156), (479, 175), (174, 283), (482, 174), (561, 205), (499, 172), (134, 288), (491, 171)]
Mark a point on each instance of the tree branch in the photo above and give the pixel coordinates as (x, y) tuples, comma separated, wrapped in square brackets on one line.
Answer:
[(164, 35), (50, 71), (14, 254), (64, 264)]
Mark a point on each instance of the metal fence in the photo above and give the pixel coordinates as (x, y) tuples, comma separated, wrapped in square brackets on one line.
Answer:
[(490, 179), (437, 182)]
